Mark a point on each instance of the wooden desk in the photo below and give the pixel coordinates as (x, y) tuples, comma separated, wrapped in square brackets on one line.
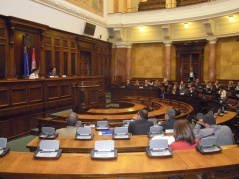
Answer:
[(119, 93), (184, 163), (125, 107), (70, 145), (213, 164), (227, 117)]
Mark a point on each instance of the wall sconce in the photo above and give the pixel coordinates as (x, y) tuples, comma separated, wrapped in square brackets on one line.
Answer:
[(141, 28), (185, 25), (231, 18)]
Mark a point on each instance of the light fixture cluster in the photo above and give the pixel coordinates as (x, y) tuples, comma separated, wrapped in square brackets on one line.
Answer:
[(185, 25), (231, 18), (141, 28)]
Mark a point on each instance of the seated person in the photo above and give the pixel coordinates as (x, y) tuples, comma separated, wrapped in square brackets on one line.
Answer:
[(169, 119), (175, 89), (222, 132), (230, 86), (193, 91), (184, 90), (217, 85), (34, 74), (210, 88), (52, 72), (165, 82), (169, 89), (136, 84), (197, 83), (181, 85), (141, 125), (223, 94), (128, 84), (147, 84), (237, 87), (183, 135), (71, 127), (156, 84)]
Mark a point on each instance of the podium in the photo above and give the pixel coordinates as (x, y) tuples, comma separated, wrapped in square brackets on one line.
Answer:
[(85, 96)]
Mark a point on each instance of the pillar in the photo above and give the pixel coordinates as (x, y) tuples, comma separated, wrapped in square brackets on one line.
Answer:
[(212, 60), (167, 73)]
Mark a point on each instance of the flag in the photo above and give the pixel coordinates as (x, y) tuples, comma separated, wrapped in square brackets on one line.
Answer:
[(26, 66), (33, 59)]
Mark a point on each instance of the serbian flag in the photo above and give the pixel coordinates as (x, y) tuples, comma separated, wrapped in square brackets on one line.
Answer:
[(26, 66), (33, 59)]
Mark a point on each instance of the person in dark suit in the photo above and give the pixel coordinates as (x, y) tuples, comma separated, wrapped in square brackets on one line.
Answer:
[(141, 125), (193, 91), (210, 88), (184, 90), (169, 119), (128, 84), (197, 83)]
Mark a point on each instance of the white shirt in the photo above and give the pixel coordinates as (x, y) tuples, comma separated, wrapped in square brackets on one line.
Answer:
[(223, 94), (33, 76)]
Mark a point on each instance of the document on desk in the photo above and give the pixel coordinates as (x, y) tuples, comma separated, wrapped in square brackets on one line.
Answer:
[(46, 154), (170, 138), (106, 132)]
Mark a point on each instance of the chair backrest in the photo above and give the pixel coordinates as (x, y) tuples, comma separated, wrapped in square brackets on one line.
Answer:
[(84, 131), (154, 120), (155, 129), (49, 145), (120, 130), (158, 144), (48, 130), (3, 143), (102, 123)]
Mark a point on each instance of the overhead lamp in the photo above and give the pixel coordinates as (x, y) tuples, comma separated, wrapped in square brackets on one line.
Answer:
[(141, 28), (231, 18), (186, 25)]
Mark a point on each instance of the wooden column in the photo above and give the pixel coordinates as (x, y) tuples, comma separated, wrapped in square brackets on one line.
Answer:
[(167, 73), (212, 60)]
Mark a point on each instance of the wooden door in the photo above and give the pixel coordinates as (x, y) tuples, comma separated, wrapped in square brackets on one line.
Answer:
[(187, 61), (189, 56)]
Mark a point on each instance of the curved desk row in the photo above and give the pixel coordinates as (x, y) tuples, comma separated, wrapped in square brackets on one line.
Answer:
[(184, 163)]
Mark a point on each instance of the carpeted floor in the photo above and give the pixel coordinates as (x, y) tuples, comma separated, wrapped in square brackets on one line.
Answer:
[(20, 143)]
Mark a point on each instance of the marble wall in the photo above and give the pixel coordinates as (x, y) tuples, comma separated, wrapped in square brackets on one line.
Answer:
[(227, 63), (148, 60)]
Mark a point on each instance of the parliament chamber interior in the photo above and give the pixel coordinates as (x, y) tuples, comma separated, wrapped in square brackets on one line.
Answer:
[(105, 61)]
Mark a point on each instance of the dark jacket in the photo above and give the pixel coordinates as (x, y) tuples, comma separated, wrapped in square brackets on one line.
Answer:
[(140, 127)]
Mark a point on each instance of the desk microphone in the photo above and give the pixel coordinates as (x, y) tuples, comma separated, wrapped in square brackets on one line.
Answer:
[(40, 127), (208, 135), (211, 110)]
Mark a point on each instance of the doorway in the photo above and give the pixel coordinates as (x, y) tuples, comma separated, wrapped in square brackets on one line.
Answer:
[(189, 55)]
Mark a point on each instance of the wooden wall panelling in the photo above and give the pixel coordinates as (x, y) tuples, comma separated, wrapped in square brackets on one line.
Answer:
[(19, 28), (5, 97), (3, 49)]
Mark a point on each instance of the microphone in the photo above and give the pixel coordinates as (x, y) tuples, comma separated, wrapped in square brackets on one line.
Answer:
[(41, 126), (211, 110), (202, 109), (207, 136)]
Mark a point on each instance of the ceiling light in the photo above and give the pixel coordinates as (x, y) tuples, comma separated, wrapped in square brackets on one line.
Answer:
[(186, 25), (141, 28), (231, 18)]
